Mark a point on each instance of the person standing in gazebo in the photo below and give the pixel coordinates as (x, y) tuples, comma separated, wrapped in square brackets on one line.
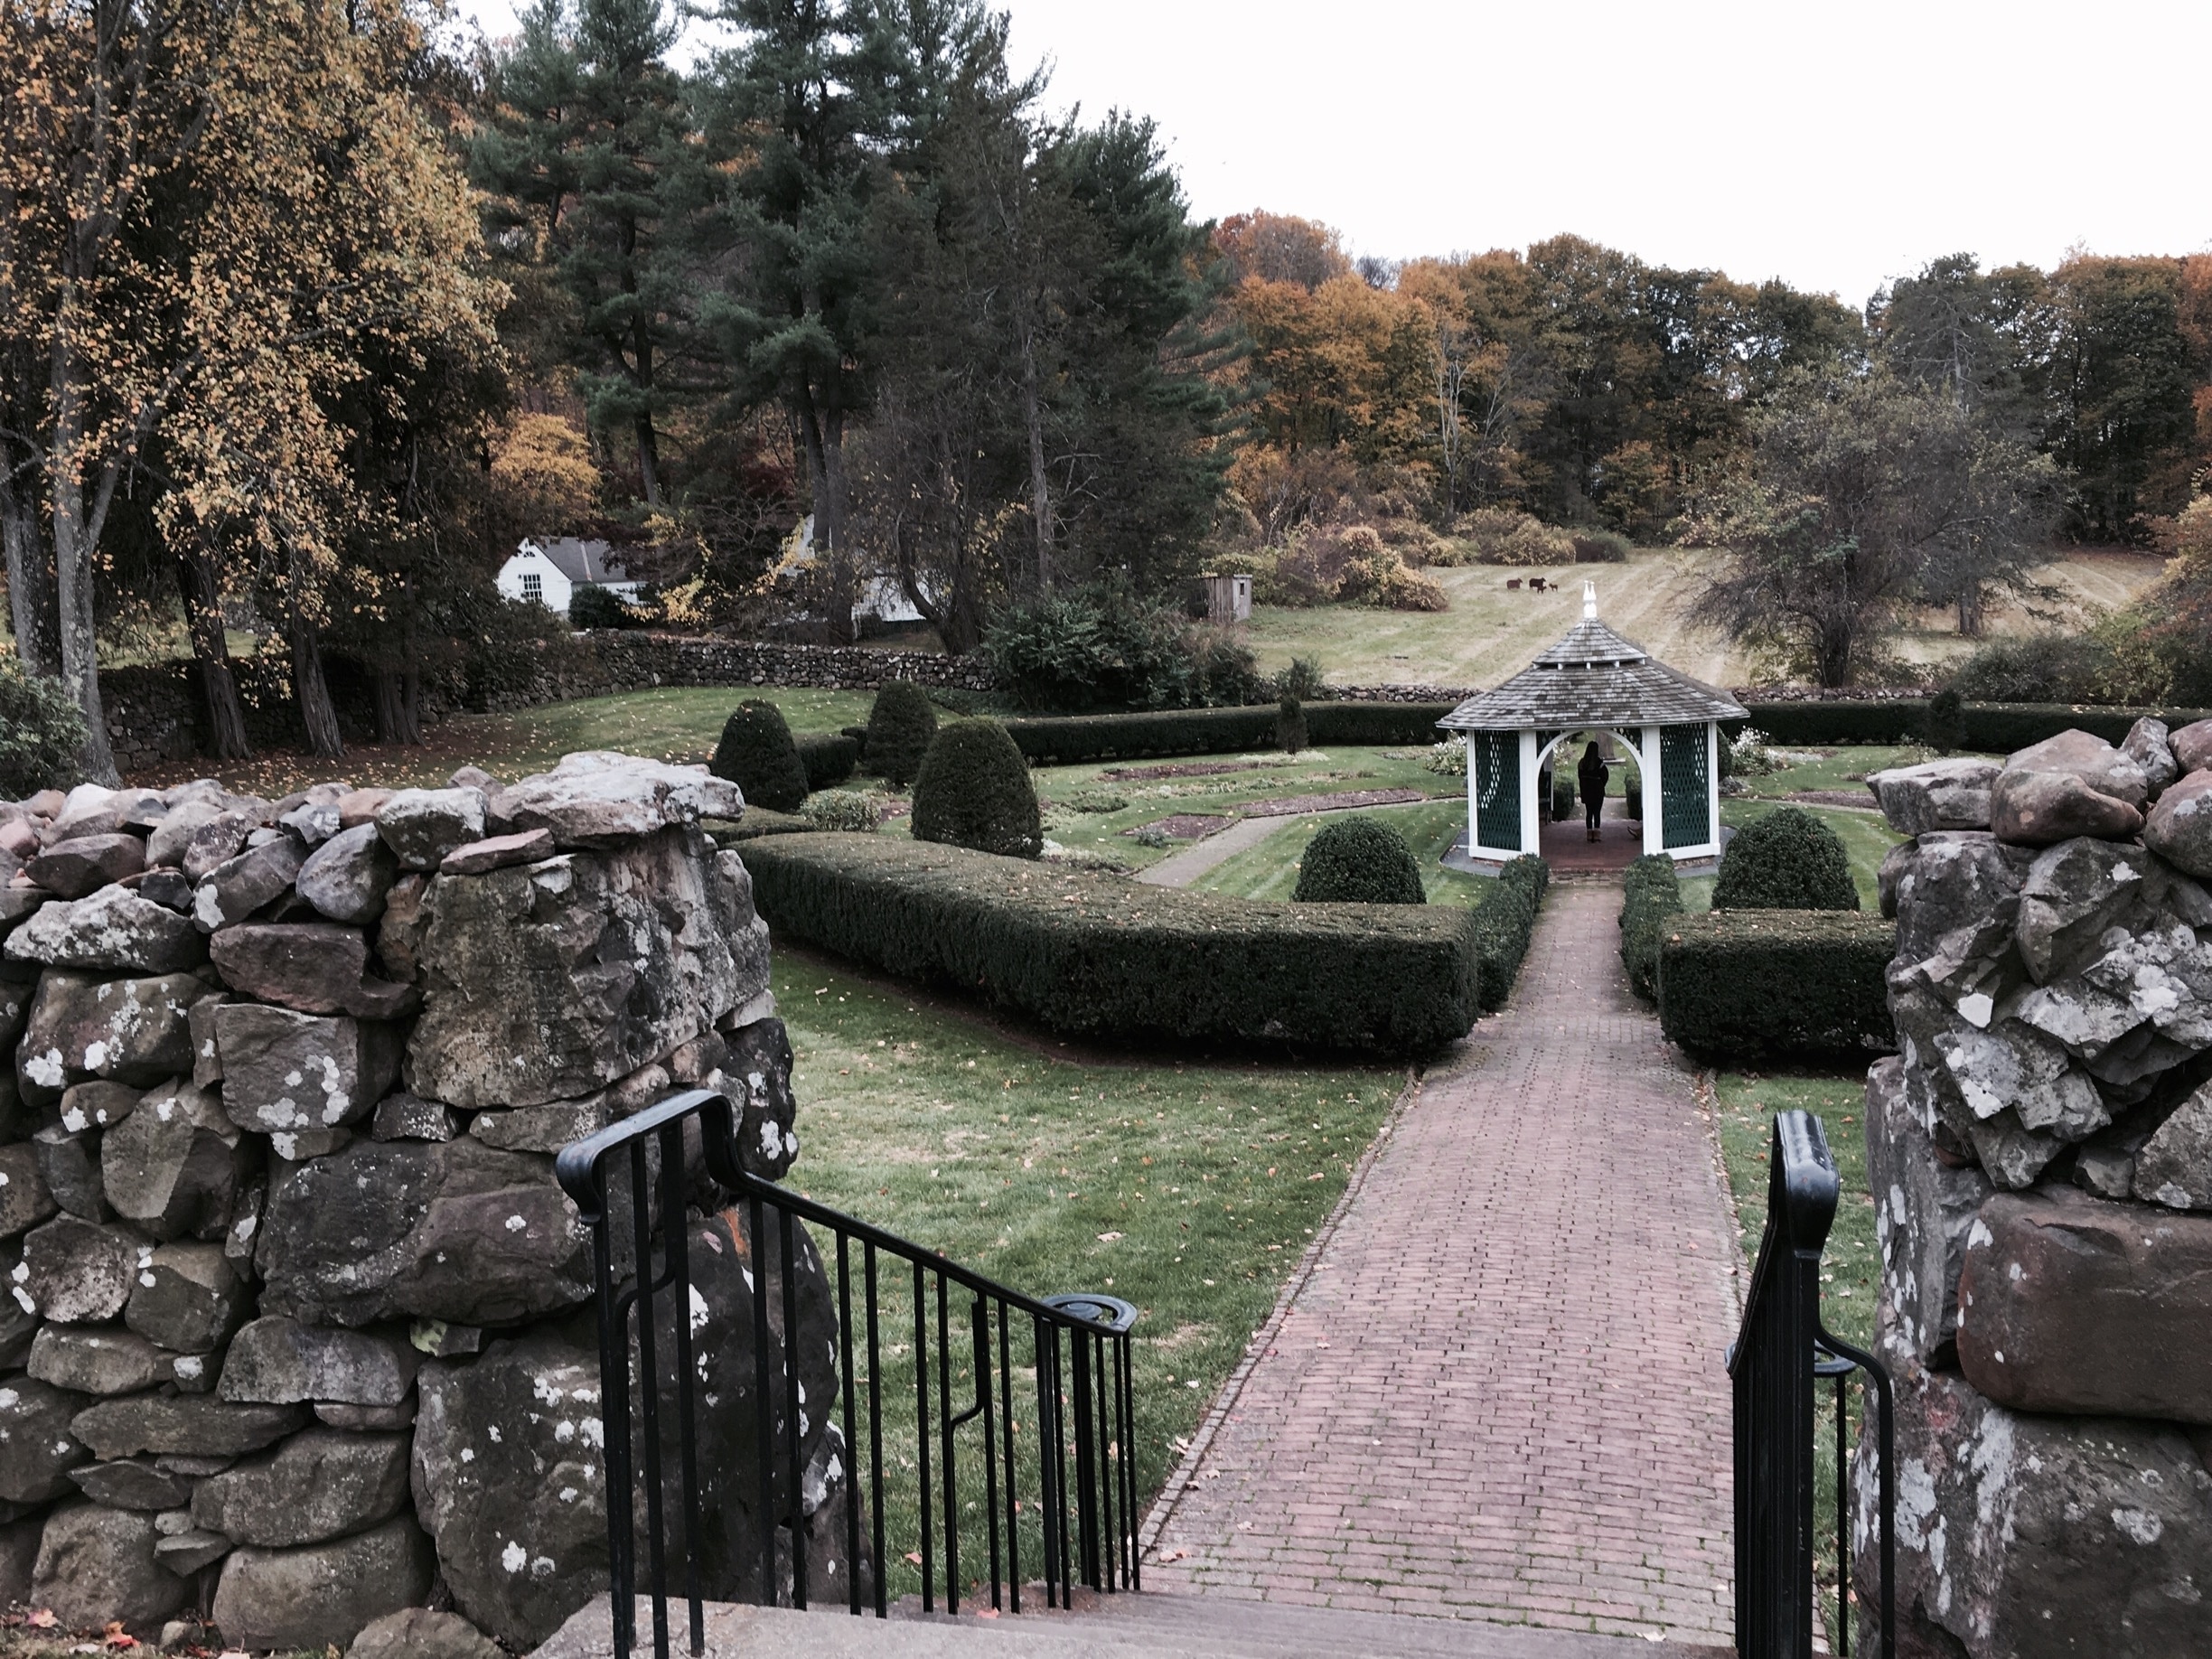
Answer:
[(1591, 775)]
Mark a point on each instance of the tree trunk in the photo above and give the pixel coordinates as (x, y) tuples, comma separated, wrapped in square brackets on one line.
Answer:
[(649, 460), (1040, 490), (203, 616), (30, 577), (73, 601), (396, 707), (317, 712)]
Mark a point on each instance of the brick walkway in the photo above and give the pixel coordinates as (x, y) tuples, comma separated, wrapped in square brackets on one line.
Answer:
[(1501, 1394)]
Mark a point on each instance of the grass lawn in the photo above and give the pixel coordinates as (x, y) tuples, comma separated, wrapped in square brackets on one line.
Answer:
[(1271, 869), (1850, 1267), (1189, 1188)]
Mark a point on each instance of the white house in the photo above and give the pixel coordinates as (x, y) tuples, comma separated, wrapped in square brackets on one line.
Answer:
[(550, 569)]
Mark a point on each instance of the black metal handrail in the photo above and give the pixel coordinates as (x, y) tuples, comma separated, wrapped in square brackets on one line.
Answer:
[(1776, 1363), (683, 1163)]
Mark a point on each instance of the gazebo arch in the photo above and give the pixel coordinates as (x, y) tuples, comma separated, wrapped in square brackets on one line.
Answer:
[(1593, 679)]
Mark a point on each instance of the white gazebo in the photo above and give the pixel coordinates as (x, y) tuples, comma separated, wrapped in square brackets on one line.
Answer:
[(1593, 679)]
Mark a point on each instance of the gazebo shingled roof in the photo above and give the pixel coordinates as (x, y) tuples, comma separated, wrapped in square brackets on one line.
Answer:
[(1593, 678)]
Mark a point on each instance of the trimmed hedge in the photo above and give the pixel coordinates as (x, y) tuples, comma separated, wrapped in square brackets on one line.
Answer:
[(901, 725), (1786, 859), (1103, 957), (756, 753), (1651, 900), (1985, 728), (1076, 739), (828, 758), (1750, 986), (1358, 861), (974, 790), (1504, 917)]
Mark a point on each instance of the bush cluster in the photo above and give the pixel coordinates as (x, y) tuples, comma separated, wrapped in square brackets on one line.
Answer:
[(41, 733), (1503, 535), (2040, 667), (756, 753), (1601, 546), (1290, 725), (974, 790), (1786, 859), (852, 811), (1358, 861), (1651, 900), (593, 607), (829, 758), (1095, 801), (1346, 565), (1983, 728), (902, 724), (1756, 986), (1104, 647), (1101, 957), (1504, 917), (1074, 739)]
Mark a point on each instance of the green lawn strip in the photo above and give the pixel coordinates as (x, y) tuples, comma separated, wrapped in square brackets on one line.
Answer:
[(1843, 768), (1211, 1180), (1867, 841), (1851, 1265)]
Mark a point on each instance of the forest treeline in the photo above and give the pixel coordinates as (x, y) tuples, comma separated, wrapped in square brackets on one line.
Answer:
[(307, 312)]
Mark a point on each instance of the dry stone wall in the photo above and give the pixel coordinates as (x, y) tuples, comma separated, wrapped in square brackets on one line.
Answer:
[(2040, 1153), (296, 1321)]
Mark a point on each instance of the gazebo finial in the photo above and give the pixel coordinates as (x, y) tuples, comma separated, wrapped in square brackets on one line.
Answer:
[(1590, 600)]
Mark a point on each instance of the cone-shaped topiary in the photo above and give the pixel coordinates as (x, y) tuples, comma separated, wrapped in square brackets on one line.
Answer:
[(974, 790), (900, 728), (1787, 860), (1290, 725), (1361, 861), (756, 753)]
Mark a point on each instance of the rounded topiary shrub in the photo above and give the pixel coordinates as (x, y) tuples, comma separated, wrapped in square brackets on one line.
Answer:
[(901, 727), (974, 790), (1787, 860), (1359, 861), (757, 753)]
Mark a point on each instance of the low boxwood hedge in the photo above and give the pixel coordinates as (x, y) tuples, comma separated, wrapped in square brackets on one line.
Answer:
[(1985, 728), (1073, 740), (829, 757), (1103, 957), (1651, 900), (1504, 917), (1752, 986)]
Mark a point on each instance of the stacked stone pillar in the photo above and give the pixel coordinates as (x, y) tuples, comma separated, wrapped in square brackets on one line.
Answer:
[(2041, 1159), (298, 1325)]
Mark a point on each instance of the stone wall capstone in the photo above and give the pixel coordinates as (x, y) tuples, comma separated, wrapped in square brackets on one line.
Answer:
[(298, 1320), (2040, 1154)]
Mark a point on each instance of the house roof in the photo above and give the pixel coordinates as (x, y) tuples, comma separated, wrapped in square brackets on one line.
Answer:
[(579, 560), (1592, 677)]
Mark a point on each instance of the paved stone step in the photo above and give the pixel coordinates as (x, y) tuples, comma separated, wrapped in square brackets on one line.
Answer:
[(1164, 1627)]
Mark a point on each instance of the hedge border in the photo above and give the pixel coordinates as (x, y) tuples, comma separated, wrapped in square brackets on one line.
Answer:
[(1751, 986), (1651, 898), (1987, 729), (1071, 740)]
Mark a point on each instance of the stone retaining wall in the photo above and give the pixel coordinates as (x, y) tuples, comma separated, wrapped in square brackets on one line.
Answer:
[(299, 1318), (2040, 1157)]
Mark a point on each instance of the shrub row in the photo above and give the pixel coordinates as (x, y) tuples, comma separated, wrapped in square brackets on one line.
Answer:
[(1504, 917), (1749, 986), (1076, 739), (1103, 957), (1989, 728), (1651, 899)]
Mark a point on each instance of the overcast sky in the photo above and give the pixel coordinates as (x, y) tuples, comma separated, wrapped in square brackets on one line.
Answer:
[(1834, 145)]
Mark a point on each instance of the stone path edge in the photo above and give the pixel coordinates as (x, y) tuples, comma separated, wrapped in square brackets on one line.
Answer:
[(1225, 1400)]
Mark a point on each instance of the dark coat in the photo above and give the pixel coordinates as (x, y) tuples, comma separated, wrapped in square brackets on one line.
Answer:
[(1591, 775)]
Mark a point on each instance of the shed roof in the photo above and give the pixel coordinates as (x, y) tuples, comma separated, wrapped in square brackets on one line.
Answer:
[(1592, 677)]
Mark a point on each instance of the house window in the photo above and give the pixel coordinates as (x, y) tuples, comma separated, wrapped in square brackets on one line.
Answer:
[(533, 586)]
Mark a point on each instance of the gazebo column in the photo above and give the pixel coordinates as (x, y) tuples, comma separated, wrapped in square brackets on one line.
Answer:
[(1713, 784), (1531, 827), (1647, 772)]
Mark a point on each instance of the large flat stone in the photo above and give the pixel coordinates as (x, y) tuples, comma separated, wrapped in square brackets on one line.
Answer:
[(2071, 1304), (598, 798), (182, 1425), (321, 1595), (2037, 808), (1942, 794), (1924, 1208), (286, 1072), (79, 1273), (176, 1165), (73, 867), (421, 826), (100, 1363), (134, 1031), (454, 1230), (232, 891), (2179, 830), (313, 967), (549, 981), (319, 1484), (37, 1447), (278, 1360), (347, 877), (113, 931), (97, 1564)]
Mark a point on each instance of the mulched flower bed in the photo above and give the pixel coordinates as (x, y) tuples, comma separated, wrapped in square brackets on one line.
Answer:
[(1290, 805), (1185, 825), (1197, 769), (1858, 799)]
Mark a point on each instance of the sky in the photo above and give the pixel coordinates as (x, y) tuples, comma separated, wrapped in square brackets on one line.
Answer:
[(1836, 147)]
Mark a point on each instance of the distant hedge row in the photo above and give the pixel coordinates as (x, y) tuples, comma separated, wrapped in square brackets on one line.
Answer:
[(1755, 985), (1103, 957), (1989, 728), (1504, 917), (1076, 739)]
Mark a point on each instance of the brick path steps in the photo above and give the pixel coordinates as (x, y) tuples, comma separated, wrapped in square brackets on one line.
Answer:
[(1116, 1627), (1500, 1394)]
